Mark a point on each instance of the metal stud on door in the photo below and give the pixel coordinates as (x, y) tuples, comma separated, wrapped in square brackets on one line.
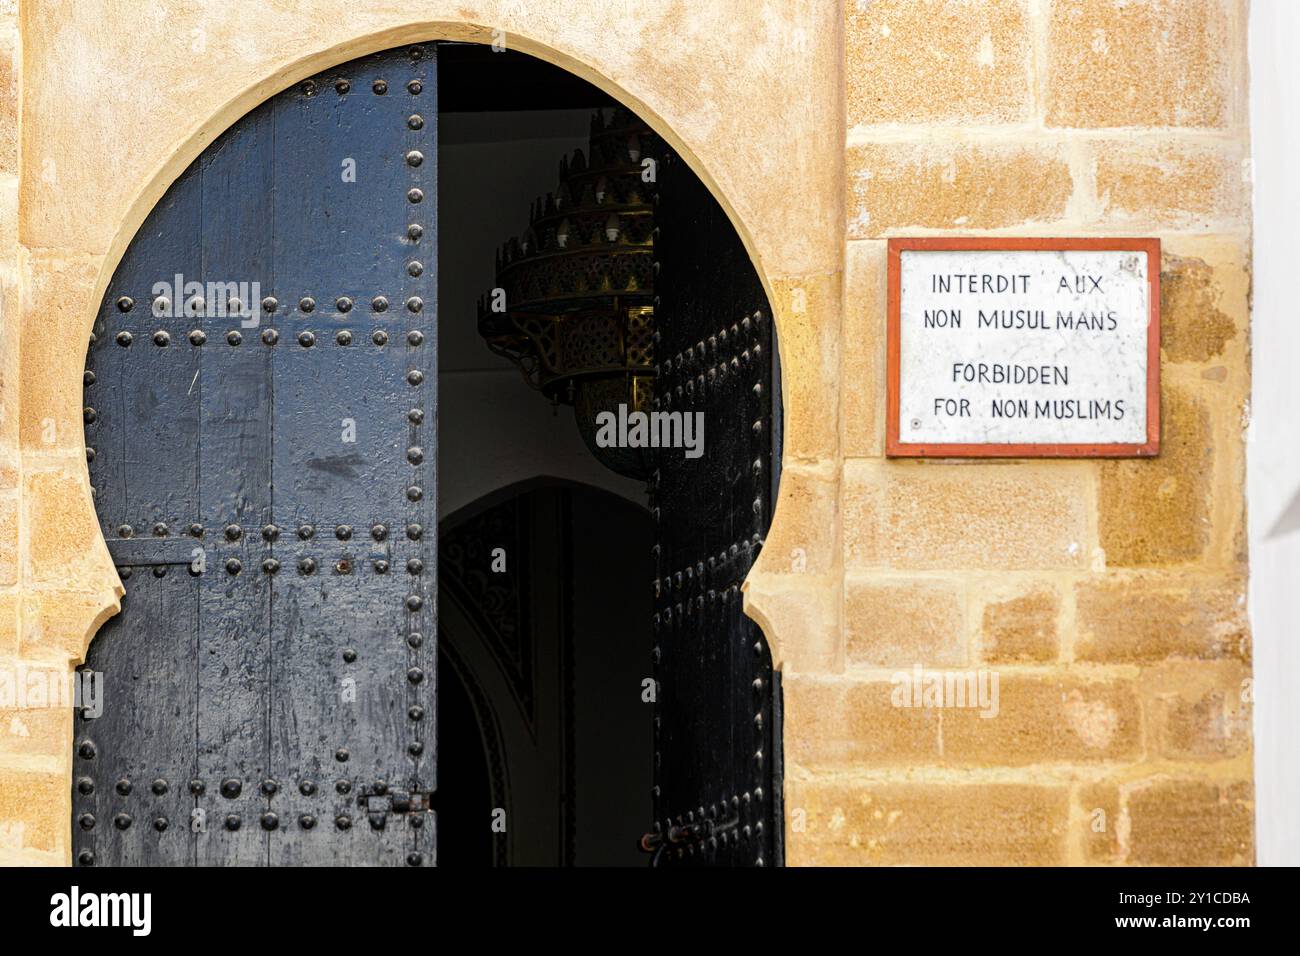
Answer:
[(261, 428), (717, 717)]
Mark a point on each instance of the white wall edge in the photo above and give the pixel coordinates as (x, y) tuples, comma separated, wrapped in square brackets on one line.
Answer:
[(1273, 442)]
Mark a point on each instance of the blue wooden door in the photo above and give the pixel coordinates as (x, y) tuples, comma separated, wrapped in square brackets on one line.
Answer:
[(260, 426)]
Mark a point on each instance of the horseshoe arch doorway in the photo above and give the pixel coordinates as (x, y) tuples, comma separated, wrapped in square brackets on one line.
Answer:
[(264, 404)]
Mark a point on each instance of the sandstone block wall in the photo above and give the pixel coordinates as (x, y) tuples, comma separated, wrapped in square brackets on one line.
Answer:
[(1109, 597)]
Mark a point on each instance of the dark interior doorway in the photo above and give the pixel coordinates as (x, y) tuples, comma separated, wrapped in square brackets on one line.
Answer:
[(604, 597), (465, 786), (554, 647), (545, 656)]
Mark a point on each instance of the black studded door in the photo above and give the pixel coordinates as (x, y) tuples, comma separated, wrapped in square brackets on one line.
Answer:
[(260, 423), (717, 717)]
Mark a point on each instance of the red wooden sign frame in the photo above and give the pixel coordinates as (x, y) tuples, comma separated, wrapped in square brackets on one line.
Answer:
[(896, 448)]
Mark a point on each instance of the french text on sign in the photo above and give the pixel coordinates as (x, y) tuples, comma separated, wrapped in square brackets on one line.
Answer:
[(1022, 347)]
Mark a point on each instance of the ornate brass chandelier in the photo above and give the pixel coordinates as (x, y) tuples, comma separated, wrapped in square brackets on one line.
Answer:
[(573, 305)]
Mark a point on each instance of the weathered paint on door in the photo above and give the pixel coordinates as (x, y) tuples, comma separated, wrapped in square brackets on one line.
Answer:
[(266, 484)]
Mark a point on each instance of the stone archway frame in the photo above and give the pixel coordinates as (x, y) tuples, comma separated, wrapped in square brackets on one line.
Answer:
[(727, 89)]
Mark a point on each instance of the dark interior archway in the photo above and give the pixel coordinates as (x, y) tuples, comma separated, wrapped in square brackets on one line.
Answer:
[(551, 645)]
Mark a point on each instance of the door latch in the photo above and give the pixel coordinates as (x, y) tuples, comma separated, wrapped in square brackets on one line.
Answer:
[(683, 835), (380, 805)]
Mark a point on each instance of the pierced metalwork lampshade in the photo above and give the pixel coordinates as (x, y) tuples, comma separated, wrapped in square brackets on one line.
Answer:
[(573, 305)]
